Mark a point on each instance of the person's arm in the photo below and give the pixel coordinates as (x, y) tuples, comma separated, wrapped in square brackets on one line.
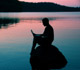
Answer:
[(36, 34)]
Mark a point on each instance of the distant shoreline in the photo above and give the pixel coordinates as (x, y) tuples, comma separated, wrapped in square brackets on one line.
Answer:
[(47, 7), (35, 7)]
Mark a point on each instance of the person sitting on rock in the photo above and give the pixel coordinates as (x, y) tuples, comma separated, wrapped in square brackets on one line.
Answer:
[(46, 38)]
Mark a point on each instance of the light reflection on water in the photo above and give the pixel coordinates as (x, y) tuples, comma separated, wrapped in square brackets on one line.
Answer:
[(16, 41)]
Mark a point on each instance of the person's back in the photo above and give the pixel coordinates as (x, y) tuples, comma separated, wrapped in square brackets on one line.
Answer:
[(49, 33)]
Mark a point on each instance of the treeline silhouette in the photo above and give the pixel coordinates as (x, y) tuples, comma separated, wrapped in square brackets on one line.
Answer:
[(46, 7), (10, 6), (6, 22), (17, 6)]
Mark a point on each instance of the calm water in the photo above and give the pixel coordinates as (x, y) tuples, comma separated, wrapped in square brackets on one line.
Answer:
[(16, 39)]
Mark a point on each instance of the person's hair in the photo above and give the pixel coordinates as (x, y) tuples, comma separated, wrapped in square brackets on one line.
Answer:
[(45, 20)]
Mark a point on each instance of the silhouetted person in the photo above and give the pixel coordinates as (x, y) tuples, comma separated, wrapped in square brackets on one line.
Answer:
[(46, 38), (46, 56)]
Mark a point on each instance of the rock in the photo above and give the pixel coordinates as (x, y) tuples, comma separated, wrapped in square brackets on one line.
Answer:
[(47, 57)]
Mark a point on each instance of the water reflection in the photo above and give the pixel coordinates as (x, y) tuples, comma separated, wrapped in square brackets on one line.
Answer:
[(15, 42), (6, 22)]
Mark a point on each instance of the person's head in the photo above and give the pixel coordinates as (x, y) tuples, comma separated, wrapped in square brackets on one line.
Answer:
[(45, 21)]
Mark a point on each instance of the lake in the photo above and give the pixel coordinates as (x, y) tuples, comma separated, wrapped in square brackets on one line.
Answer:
[(16, 39)]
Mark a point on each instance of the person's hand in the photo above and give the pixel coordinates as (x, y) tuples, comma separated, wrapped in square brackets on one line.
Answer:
[(33, 33)]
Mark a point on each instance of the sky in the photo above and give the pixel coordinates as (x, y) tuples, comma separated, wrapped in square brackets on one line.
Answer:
[(73, 3)]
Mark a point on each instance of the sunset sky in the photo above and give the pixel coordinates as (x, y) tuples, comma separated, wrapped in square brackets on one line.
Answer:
[(75, 3)]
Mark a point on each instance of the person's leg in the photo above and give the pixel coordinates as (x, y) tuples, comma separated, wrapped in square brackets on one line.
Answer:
[(33, 45)]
